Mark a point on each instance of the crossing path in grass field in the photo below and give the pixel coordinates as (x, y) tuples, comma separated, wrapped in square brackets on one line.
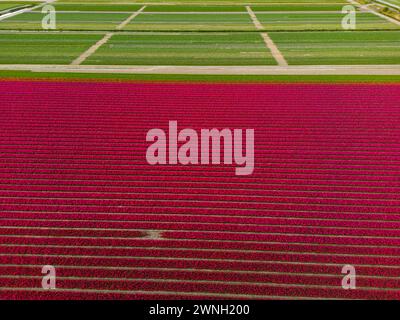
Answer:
[(280, 59), (133, 16), (253, 34), (103, 41), (92, 49)]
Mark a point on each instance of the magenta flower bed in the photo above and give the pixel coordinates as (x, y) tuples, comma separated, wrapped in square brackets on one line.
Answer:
[(77, 193)]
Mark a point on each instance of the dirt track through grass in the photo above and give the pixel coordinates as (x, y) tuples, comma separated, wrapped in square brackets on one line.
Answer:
[(103, 41), (280, 59)]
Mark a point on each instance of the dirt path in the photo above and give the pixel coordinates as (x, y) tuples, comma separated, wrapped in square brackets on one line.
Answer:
[(92, 49), (217, 70), (278, 56), (133, 16), (105, 39)]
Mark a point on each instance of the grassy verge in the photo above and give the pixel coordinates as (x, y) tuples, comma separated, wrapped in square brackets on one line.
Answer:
[(26, 75)]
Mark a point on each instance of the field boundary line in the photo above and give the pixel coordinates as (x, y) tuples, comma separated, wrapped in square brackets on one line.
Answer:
[(104, 40), (280, 59), (367, 9), (24, 10), (253, 17), (92, 49), (133, 16), (210, 70), (200, 294), (278, 56)]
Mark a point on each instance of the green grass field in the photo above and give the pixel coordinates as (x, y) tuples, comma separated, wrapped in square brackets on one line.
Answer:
[(320, 21), (6, 5), (199, 33), (66, 21), (395, 2), (184, 49), (186, 21), (351, 48), (95, 7), (200, 78), (43, 48), (208, 2)]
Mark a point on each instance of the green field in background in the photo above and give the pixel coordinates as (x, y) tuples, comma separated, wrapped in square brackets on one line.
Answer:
[(298, 6), (5, 5), (339, 48), (43, 48), (183, 49), (195, 8), (190, 18), (192, 22), (213, 2), (199, 78), (194, 32), (320, 21), (96, 7), (66, 21)]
